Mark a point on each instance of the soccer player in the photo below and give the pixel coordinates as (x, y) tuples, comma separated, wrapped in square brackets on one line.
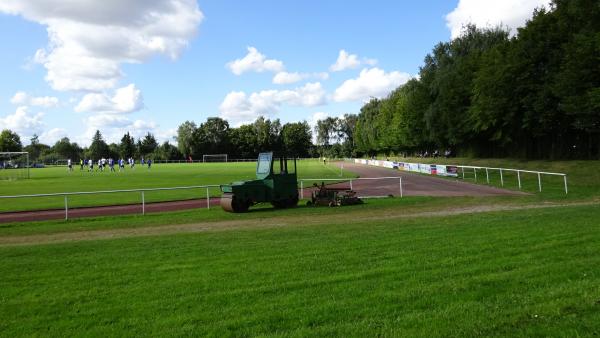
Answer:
[(91, 165), (121, 165), (111, 164), (81, 164), (69, 164), (149, 163)]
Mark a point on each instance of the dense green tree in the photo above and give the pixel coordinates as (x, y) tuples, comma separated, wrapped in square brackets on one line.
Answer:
[(215, 135), (127, 146), (10, 141), (147, 145), (98, 148), (297, 138), (185, 137), (64, 149)]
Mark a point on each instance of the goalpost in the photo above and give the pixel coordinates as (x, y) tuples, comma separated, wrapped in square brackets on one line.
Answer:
[(14, 165), (214, 158)]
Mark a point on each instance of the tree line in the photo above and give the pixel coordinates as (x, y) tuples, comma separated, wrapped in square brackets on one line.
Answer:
[(534, 95), (63, 149)]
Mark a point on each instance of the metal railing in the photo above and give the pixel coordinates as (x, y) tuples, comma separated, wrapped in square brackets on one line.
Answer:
[(518, 171), (142, 191), (500, 170), (342, 180)]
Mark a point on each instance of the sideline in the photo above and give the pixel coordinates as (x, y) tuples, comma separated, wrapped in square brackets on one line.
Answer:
[(91, 235)]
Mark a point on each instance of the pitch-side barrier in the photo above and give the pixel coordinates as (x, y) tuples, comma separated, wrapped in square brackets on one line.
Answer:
[(445, 170), (141, 191)]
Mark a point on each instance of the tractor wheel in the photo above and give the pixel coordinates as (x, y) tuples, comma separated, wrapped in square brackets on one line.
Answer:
[(232, 204), (278, 204)]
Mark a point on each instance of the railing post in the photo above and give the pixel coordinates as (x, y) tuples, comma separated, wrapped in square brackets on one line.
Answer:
[(566, 190), (487, 176), (463, 172), (301, 189), (342, 170), (519, 178), (207, 199), (501, 178), (143, 204), (401, 192), (351, 185), (66, 209), (475, 173), (540, 181)]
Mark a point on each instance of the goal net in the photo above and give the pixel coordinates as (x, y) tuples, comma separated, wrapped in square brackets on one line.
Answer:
[(214, 158), (14, 165)]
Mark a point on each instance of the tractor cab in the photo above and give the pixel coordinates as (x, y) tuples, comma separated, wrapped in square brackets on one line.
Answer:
[(275, 182)]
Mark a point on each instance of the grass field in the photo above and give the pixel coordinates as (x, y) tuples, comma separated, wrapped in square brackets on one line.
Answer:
[(527, 272), (417, 266), (57, 179)]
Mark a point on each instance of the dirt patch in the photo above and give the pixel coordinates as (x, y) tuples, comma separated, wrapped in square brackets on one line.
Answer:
[(259, 223)]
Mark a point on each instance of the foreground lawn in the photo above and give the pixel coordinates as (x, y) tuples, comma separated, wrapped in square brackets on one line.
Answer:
[(57, 179), (532, 272)]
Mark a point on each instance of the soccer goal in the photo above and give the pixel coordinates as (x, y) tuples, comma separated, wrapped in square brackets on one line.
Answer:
[(214, 158), (14, 165)]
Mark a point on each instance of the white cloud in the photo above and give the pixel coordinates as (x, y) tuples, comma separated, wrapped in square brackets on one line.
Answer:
[(125, 100), (349, 61), (373, 82), (288, 78), (22, 98), (482, 13), (113, 127), (238, 107), (89, 39), (22, 122), (51, 136), (256, 62)]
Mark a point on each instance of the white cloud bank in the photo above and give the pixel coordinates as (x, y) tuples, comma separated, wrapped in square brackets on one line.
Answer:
[(289, 78), (126, 100), (23, 99), (349, 61), (23, 123), (238, 107), (373, 82), (89, 39), (113, 127), (254, 61), (483, 13)]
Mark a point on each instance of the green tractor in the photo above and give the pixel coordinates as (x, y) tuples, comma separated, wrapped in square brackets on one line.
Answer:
[(279, 188)]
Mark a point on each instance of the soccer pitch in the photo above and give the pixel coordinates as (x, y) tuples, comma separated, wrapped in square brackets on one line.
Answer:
[(58, 179)]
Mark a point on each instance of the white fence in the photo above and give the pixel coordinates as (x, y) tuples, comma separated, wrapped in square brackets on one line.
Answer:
[(141, 191), (452, 171)]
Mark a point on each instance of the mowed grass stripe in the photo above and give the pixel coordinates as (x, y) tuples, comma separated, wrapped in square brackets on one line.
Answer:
[(533, 272), (57, 180)]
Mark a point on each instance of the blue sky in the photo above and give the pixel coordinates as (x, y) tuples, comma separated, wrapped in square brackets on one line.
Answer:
[(69, 68)]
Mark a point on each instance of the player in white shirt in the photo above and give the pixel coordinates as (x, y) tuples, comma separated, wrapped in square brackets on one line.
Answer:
[(69, 165)]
